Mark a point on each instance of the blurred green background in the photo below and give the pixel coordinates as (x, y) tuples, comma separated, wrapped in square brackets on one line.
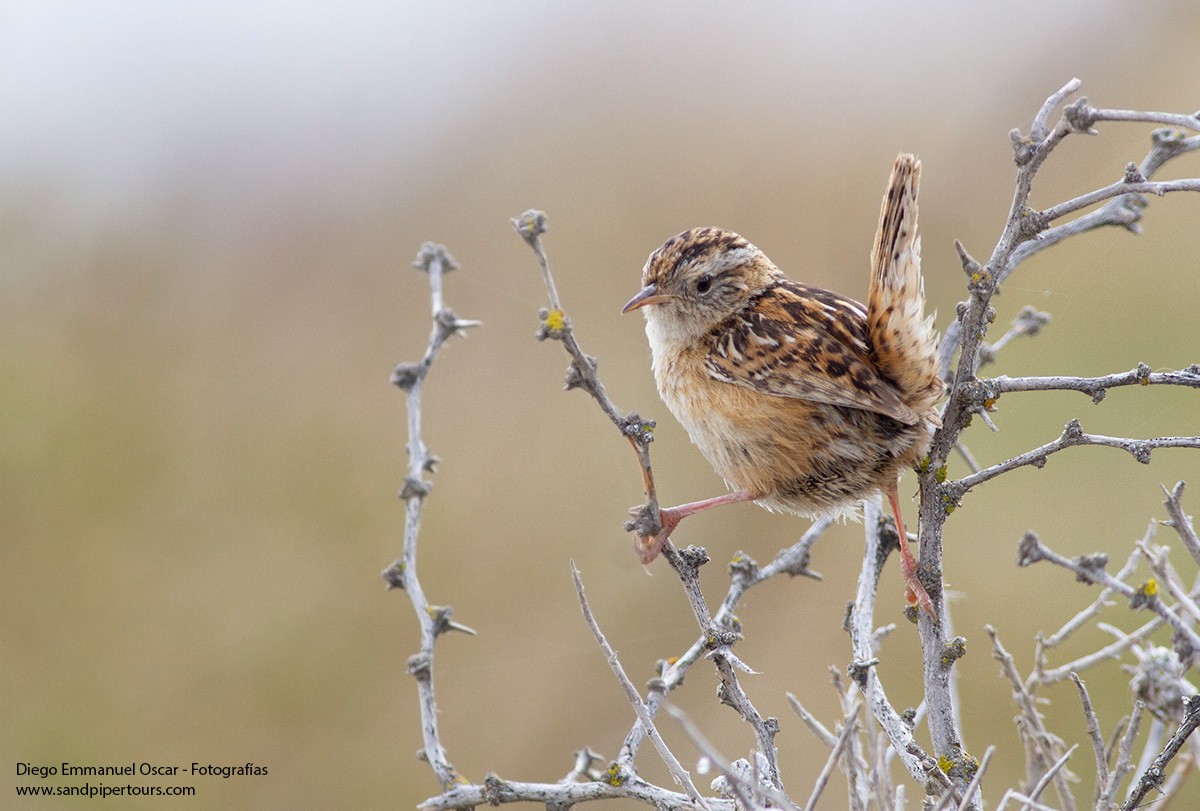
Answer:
[(208, 214)]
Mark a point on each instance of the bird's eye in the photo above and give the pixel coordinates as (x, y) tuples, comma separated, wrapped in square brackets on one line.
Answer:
[(703, 284)]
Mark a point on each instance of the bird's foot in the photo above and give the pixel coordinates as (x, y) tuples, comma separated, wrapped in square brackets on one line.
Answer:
[(649, 543), (914, 592)]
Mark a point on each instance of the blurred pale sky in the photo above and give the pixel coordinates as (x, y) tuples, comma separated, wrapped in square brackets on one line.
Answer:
[(120, 98)]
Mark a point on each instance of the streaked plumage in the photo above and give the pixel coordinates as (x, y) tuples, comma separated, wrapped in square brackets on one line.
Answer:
[(801, 399)]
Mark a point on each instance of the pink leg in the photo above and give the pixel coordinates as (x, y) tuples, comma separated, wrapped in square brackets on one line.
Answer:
[(670, 517), (908, 566)]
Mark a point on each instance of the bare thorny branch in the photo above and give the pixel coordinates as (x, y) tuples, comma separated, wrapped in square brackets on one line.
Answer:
[(949, 773), (402, 574), (1026, 232)]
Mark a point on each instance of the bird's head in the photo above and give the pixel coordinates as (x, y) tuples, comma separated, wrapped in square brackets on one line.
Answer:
[(698, 279)]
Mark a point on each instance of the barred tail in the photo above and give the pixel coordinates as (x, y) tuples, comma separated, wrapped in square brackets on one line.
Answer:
[(903, 341)]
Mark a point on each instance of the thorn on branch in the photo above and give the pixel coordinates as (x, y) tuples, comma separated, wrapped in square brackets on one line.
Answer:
[(1023, 147), (1080, 116), (858, 671), (530, 225), (1030, 223), (969, 265), (442, 623), (451, 324), (406, 375), (644, 521), (1030, 550), (575, 378), (420, 665), (1091, 567), (431, 251), (584, 771), (394, 575), (1031, 320), (797, 566), (953, 650), (743, 568), (693, 556), (1037, 131), (638, 429), (496, 791), (1168, 141), (414, 488)]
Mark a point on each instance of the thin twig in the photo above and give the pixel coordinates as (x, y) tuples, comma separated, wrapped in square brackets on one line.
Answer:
[(1102, 600), (1072, 436), (1093, 730), (433, 620), (1111, 651), (1027, 802), (1158, 188), (739, 780), (1090, 569), (1124, 755), (1037, 130), (1157, 558), (823, 734), (973, 786), (1182, 770), (720, 640), (1188, 121), (1094, 387), (1045, 748), (581, 373), (1124, 210), (631, 693), (745, 573), (1181, 522), (1154, 776), (1051, 774), (861, 626), (848, 729), (494, 792)]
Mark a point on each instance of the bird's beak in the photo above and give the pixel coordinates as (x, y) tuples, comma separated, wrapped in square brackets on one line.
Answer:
[(647, 295)]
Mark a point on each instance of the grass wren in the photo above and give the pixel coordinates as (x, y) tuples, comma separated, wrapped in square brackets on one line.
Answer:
[(801, 399)]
